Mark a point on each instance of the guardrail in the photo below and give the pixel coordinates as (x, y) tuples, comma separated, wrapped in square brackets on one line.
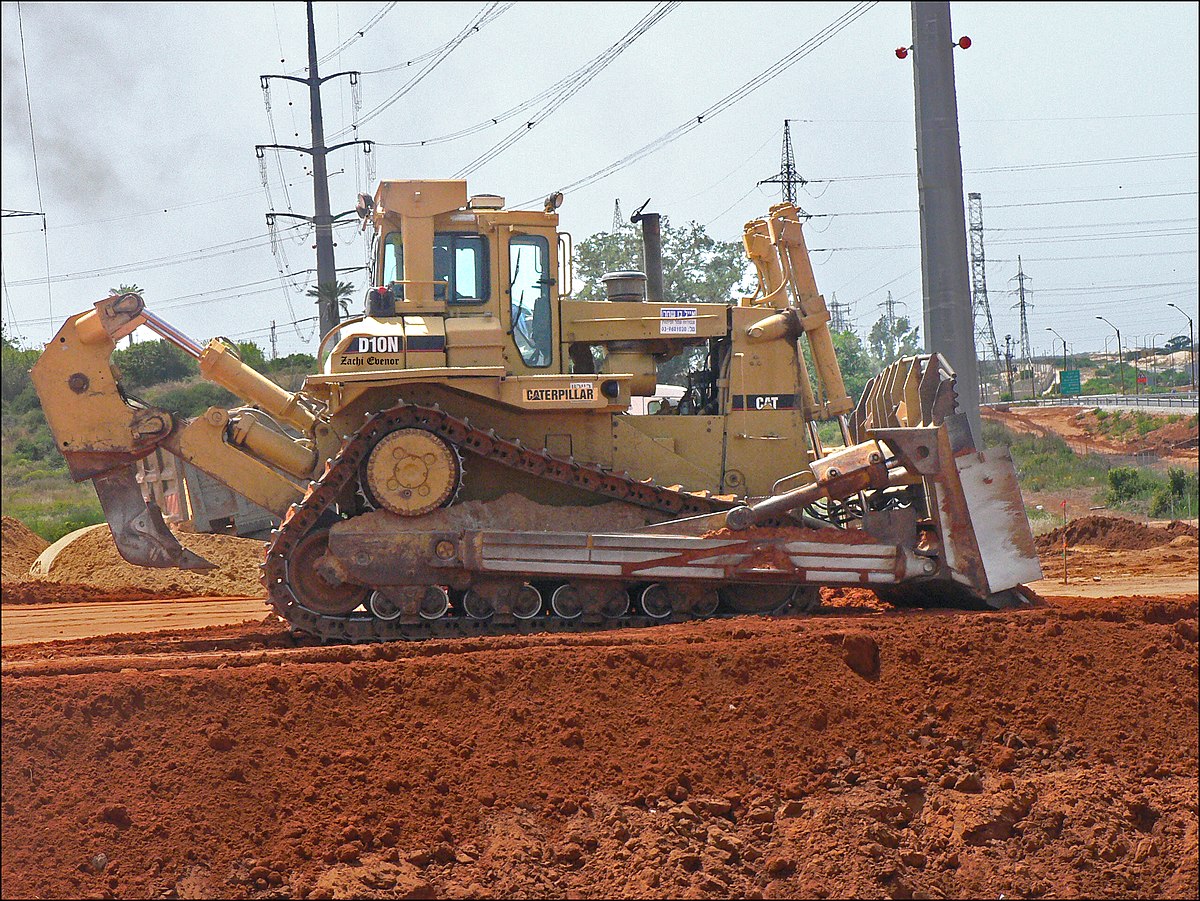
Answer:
[(1185, 401)]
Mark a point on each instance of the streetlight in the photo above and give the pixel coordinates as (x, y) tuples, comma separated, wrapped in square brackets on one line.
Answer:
[(1064, 341), (1120, 355), (1154, 357), (1064, 369), (1191, 346)]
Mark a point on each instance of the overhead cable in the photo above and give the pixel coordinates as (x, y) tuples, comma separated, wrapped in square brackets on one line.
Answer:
[(569, 90), (440, 55), (777, 68)]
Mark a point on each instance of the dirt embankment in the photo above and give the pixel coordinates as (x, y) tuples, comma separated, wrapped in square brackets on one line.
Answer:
[(19, 547), (1084, 433), (1116, 533), (91, 569), (1042, 752)]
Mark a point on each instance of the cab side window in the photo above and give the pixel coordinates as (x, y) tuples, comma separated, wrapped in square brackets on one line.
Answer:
[(460, 260), (460, 265), (529, 284), (393, 259)]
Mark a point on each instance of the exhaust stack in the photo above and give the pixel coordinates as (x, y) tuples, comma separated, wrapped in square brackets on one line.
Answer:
[(652, 245)]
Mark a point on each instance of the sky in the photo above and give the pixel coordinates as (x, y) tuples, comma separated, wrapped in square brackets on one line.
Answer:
[(1078, 128)]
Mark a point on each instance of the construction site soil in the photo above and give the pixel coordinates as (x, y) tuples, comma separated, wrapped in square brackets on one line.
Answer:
[(19, 547), (1117, 534), (1046, 751), (1049, 750), (1083, 432)]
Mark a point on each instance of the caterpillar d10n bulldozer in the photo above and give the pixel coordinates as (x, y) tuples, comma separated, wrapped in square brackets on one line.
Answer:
[(466, 460)]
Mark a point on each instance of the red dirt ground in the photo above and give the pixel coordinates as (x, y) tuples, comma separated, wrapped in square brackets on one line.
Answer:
[(1038, 752)]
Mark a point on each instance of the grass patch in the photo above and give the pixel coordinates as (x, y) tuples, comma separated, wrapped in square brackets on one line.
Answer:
[(1049, 464), (52, 507), (1046, 464)]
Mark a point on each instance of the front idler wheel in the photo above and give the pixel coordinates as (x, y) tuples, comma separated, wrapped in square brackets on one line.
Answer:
[(313, 581)]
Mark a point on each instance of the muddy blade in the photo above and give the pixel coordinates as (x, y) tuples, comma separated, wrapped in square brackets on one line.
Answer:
[(138, 530)]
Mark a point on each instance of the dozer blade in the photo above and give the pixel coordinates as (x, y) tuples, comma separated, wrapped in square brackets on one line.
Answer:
[(137, 525)]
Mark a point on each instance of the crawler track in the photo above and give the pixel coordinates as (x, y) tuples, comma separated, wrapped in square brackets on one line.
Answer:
[(319, 508)]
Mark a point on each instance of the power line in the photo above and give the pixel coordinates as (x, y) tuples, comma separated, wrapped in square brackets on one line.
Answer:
[(1065, 164), (590, 71), (371, 23), (440, 55), (733, 97), (201, 253), (1012, 206), (496, 13), (37, 179)]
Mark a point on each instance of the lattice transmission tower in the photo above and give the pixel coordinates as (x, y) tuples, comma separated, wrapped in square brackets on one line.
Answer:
[(787, 176), (1024, 306), (986, 348), (618, 222)]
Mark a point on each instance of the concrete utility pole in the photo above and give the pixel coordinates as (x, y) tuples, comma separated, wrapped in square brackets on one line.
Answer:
[(949, 320), (327, 303)]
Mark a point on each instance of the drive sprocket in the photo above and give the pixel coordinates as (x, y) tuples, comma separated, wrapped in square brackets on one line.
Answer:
[(411, 472)]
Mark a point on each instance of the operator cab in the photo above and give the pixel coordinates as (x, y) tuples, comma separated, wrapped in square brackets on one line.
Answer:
[(459, 268)]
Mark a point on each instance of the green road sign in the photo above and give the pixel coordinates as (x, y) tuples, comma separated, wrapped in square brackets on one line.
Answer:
[(1069, 382)]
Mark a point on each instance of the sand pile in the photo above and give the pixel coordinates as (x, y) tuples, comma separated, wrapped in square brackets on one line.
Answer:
[(93, 561), (1036, 753), (91, 569), (19, 547), (1112, 533)]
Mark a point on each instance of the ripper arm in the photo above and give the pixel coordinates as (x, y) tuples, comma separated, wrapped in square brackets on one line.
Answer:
[(102, 432)]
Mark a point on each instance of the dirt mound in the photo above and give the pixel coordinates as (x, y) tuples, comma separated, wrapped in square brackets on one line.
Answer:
[(1047, 752), (1111, 533), (19, 547), (93, 565)]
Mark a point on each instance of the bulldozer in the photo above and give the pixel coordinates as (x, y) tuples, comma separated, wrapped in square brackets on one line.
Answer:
[(470, 456)]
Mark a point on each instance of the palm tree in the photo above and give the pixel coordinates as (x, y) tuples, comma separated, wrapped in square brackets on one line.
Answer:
[(337, 291), (127, 289)]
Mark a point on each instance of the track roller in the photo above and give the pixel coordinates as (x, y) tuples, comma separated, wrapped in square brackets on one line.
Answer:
[(528, 602), (662, 599), (427, 602), (606, 599), (757, 599)]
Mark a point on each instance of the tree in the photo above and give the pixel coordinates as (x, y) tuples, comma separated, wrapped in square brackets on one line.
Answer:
[(1179, 342), (151, 362), (696, 267), (891, 339), (15, 362), (854, 361), (252, 355), (336, 291), (126, 289)]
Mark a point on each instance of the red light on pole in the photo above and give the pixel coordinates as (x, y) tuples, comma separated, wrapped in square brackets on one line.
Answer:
[(964, 42), (901, 53)]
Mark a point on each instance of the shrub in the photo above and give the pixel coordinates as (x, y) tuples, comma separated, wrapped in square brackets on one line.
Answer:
[(192, 399), (1178, 497), (1125, 483)]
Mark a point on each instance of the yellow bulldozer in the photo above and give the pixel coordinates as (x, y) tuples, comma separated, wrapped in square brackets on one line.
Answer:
[(469, 459)]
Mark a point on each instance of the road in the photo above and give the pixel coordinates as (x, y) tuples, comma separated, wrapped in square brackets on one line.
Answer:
[(26, 623)]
